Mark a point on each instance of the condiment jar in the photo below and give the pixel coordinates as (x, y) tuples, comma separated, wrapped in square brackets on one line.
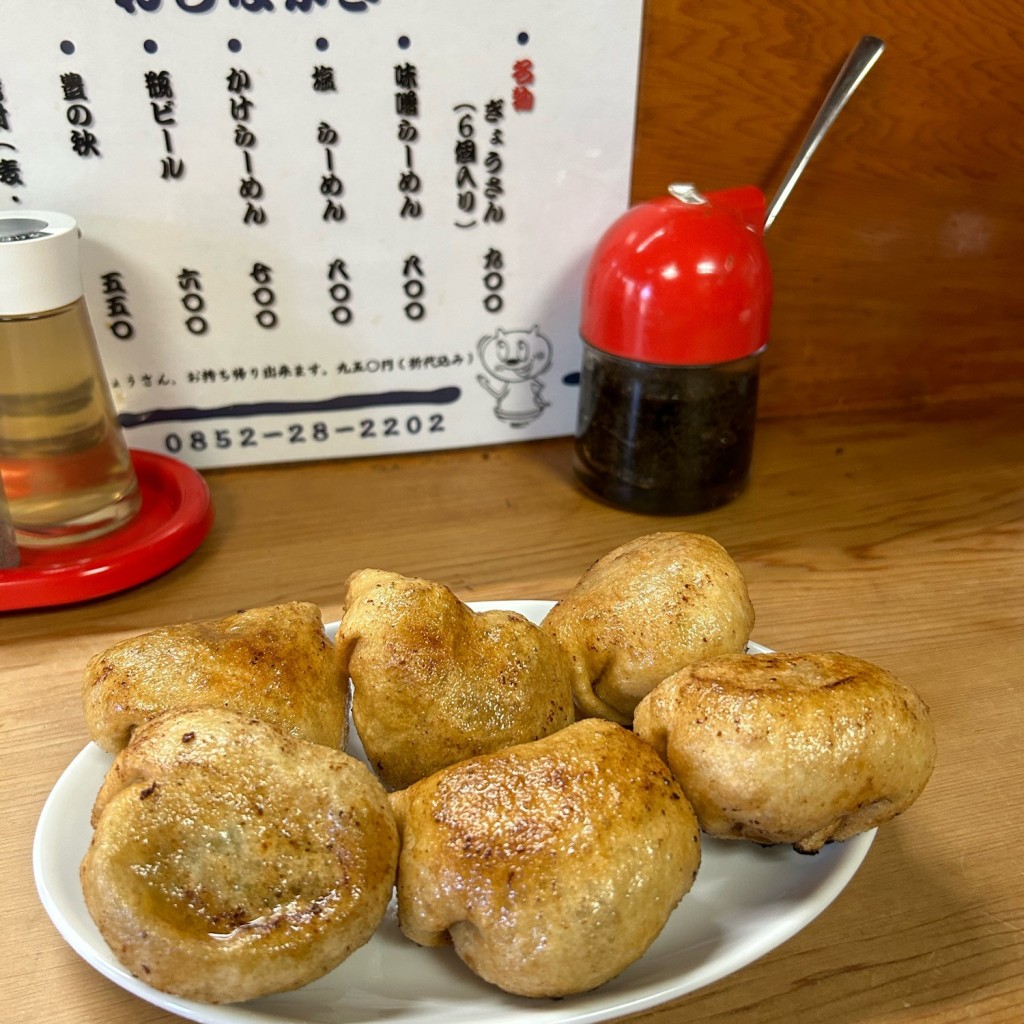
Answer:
[(63, 457), (675, 318)]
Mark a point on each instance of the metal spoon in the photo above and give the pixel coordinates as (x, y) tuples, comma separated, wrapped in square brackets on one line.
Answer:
[(862, 58)]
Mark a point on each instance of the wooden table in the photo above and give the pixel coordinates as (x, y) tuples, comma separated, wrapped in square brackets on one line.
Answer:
[(896, 539)]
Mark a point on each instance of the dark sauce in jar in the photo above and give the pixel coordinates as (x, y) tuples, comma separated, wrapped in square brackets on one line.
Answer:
[(665, 439)]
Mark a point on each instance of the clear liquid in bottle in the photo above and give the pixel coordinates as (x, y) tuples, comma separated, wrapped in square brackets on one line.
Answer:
[(63, 457)]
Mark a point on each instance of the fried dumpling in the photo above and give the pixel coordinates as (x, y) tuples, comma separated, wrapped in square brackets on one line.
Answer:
[(550, 866), (275, 663), (435, 682), (645, 610), (791, 748), (230, 860)]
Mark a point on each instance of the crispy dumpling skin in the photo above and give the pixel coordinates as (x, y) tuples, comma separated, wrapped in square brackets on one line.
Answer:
[(644, 611), (230, 860), (275, 663), (435, 682), (550, 866), (791, 748)]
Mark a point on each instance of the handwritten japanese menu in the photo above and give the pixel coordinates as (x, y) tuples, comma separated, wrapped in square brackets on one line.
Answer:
[(326, 228)]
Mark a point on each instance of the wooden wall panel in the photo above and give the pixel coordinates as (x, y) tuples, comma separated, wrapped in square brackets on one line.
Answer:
[(899, 257)]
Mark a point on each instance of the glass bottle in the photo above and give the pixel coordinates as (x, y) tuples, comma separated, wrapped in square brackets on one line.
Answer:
[(65, 464), (675, 319)]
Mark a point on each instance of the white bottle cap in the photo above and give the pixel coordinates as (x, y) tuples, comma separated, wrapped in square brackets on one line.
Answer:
[(39, 267)]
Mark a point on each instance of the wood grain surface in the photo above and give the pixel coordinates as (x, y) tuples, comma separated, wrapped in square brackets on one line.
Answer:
[(896, 257), (898, 539)]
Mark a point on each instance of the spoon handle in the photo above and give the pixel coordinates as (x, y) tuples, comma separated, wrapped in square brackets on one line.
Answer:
[(852, 73)]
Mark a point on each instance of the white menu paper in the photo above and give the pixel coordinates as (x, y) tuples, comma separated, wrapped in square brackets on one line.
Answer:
[(327, 228)]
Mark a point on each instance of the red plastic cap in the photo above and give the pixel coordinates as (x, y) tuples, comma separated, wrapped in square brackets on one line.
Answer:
[(683, 279)]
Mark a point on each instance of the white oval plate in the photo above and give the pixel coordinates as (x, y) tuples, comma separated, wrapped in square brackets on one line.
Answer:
[(746, 901)]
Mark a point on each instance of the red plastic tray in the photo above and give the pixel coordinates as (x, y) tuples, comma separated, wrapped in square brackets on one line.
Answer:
[(175, 516)]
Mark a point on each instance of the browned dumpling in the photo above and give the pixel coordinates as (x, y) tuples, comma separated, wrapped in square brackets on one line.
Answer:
[(435, 682), (791, 748), (550, 866), (645, 610), (275, 663), (230, 860)]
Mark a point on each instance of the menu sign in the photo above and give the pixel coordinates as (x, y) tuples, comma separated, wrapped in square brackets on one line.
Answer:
[(326, 228)]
